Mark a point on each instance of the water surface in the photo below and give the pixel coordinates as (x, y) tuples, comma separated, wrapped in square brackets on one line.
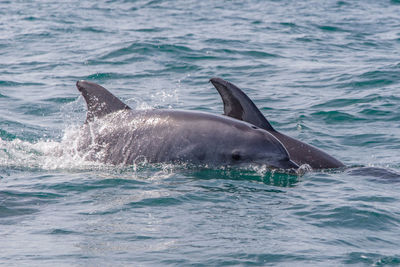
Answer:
[(325, 72)]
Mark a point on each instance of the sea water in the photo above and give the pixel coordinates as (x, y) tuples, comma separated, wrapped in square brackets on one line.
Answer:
[(324, 72)]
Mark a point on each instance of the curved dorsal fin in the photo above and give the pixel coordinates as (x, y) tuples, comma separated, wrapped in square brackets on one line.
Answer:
[(100, 102), (238, 105)]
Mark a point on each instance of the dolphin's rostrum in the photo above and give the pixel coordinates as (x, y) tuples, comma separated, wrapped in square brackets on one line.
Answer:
[(116, 134)]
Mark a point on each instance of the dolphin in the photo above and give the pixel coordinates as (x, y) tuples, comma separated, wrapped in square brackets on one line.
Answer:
[(116, 134), (239, 106)]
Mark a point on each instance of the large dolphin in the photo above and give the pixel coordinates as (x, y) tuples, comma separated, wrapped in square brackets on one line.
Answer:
[(114, 133), (238, 105)]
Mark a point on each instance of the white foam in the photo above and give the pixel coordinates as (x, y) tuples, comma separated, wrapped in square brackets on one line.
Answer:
[(45, 154)]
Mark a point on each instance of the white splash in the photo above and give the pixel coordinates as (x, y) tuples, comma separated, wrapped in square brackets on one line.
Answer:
[(45, 154)]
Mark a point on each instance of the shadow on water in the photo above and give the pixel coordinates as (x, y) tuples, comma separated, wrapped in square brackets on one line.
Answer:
[(265, 176), (281, 179)]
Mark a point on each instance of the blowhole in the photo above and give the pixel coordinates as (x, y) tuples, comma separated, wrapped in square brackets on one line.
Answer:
[(236, 156)]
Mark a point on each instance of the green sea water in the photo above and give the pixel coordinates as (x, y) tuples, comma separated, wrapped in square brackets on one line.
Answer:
[(324, 72)]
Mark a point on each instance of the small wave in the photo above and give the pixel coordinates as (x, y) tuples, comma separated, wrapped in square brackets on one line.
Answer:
[(350, 101), (350, 216), (15, 203), (371, 259), (108, 76), (14, 83), (146, 49), (61, 100), (385, 76), (93, 30), (334, 116), (152, 30), (247, 53), (330, 28)]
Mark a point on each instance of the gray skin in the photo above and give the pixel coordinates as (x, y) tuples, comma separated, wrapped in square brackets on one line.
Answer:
[(238, 105), (114, 133)]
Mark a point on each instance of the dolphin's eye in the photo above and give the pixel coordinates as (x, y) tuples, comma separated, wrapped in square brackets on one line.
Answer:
[(236, 156)]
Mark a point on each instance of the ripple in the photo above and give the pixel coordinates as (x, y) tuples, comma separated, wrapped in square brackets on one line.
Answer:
[(353, 218), (16, 203), (86, 186), (13, 83), (351, 101), (154, 29), (378, 78), (93, 30), (332, 117), (112, 75), (61, 100), (372, 259), (156, 202), (62, 232), (6, 212), (330, 28), (147, 49), (248, 53), (256, 259)]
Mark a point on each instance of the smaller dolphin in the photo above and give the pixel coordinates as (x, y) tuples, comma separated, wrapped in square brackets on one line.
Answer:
[(238, 105), (114, 133)]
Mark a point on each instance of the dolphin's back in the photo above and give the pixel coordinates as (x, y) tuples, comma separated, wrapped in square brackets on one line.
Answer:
[(114, 133)]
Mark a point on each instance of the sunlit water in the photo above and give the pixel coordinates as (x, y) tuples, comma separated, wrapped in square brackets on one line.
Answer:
[(325, 72)]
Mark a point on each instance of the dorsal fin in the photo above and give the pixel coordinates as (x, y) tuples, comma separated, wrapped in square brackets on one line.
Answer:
[(238, 105), (100, 102)]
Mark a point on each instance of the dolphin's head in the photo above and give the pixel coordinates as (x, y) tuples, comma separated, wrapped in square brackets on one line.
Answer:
[(248, 144), (261, 147)]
